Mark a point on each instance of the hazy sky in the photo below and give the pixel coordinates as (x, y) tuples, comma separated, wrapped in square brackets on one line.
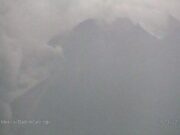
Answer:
[(50, 16)]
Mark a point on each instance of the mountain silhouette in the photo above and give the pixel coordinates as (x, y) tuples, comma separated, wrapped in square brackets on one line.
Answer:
[(117, 79)]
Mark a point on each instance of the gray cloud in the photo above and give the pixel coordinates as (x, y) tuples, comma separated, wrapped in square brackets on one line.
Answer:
[(25, 57), (27, 25), (45, 18), (151, 14)]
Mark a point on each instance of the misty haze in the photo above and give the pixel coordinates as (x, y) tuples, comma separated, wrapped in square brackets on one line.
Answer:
[(89, 74)]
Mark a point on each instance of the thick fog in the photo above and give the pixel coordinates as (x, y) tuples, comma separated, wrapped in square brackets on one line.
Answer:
[(96, 67)]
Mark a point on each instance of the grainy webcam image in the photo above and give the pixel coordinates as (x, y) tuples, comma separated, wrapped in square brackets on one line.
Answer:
[(89, 67)]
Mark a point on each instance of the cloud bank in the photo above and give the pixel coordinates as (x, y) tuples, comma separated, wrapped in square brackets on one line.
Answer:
[(27, 25), (151, 14), (25, 57), (44, 18)]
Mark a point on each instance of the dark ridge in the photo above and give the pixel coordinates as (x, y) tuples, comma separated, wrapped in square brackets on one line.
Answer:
[(173, 26), (87, 25)]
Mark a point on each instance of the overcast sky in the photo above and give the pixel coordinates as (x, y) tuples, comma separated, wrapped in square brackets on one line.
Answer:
[(26, 26), (55, 15)]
